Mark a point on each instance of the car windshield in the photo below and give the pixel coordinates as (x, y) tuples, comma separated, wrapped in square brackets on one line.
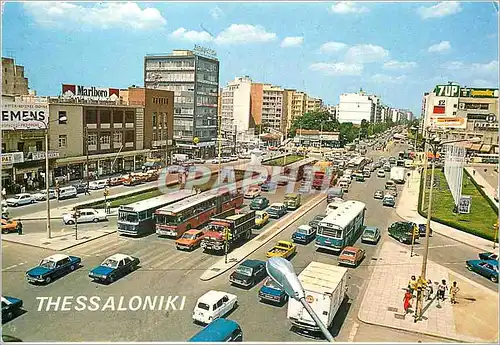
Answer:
[(258, 201), (276, 208), (246, 271), (369, 232), (47, 264), (259, 216), (110, 263), (203, 306), (348, 253), (304, 231), (271, 284), (189, 236)]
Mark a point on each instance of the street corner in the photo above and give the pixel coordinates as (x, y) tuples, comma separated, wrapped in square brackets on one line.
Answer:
[(476, 311)]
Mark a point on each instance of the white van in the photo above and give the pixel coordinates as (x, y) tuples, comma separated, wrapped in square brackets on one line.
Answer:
[(67, 192)]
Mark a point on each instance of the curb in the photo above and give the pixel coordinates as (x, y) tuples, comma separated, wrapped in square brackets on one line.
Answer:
[(65, 248), (293, 220)]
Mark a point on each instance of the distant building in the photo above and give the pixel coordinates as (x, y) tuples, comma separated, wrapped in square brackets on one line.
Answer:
[(13, 80), (267, 105), (235, 105), (355, 107)]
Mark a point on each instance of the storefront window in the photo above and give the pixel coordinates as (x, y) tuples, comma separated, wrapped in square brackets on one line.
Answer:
[(129, 136)]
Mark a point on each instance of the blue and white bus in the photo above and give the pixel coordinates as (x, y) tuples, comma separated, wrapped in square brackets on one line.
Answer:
[(342, 227)]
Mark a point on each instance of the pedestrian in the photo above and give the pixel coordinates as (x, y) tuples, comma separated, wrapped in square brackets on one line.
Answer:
[(429, 290), (412, 284), (87, 192), (108, 207), (19, 227), (442, 287), (4, 193), (453, 293), (407, 300), (23, 189), (473, 172)]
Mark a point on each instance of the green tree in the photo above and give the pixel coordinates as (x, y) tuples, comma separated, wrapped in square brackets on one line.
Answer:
[(315, 120)]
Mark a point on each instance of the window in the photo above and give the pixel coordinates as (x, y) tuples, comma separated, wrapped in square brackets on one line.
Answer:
[(63, 141), (129, 116), (92, 139), (118, 116), (91, 116), (154, 119), (63, 114), (39, 145), (129, 136), (105, 116), (117, 137), (20, 147), (105, 138)]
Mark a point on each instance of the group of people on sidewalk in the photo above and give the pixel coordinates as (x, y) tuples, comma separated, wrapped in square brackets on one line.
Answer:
[(417, 287)]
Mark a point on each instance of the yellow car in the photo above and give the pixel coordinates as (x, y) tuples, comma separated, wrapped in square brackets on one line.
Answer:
[(284, 249), (8, 225), (261, 218)]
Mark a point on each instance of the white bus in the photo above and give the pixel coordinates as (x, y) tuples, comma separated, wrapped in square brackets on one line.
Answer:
[(341, 227)]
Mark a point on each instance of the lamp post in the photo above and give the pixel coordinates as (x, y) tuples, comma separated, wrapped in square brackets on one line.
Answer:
[(47, 182), (435, 143), (281, 271)]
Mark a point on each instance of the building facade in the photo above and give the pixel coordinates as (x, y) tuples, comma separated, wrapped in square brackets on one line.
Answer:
[(193, 76), (315, 138), (235, 105), (355, 107), (313, 104), (13, 80)]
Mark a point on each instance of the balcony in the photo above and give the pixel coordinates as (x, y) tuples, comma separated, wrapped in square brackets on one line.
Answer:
[(170, 68), (105, 125), (117, 125), (129, 125)]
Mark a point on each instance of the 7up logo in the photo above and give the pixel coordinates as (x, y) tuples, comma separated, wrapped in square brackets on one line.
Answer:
[(447, 90)]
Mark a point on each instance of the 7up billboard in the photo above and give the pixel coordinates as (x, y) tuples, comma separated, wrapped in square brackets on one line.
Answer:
[(447, 90)]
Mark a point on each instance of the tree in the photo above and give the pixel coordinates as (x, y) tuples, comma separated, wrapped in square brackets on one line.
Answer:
[(316, 120)]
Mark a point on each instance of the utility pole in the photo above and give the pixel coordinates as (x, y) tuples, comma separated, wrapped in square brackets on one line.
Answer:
[(226, 238), (220, 147)]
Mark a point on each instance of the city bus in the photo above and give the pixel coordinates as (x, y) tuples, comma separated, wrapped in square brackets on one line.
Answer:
[(193, 212), (357, 163), (137, 218), (342, 227)]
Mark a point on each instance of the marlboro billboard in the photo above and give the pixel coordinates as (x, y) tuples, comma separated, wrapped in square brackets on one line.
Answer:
[(90, 92)]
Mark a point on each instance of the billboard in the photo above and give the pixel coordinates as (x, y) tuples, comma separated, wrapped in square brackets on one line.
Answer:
[(479, 93), (24, 115), (447, 90), (90, 92), (449, 122)]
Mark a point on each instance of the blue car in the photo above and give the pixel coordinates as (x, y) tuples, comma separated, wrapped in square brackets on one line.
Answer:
[(272, 292), (486, 268), (268, 186), (488, 256), (10, 308), (220, 330), (114, 267), (304, 234), (53, 267)]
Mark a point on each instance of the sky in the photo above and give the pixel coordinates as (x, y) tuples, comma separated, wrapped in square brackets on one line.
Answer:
[(397, 51)]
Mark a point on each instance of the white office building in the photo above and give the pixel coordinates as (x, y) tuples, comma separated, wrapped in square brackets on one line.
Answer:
[(235, 104), (355, 107)]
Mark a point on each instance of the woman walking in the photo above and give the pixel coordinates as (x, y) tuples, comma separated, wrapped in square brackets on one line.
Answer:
[(407, 300)]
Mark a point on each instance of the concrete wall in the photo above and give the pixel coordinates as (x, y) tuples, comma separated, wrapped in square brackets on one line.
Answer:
[(73, 130)]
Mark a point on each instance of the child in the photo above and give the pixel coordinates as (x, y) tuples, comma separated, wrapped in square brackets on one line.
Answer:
[(453, 293)]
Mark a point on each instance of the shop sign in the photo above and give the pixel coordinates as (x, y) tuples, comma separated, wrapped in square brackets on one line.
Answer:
[(447, 90), (12, 158), (332, 137), (449, 122), (40, 155), (24, 115), (479, 93), (204, 51), (90, 92)]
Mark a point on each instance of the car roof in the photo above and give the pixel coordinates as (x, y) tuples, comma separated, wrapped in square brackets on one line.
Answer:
[(88, 209), (252, 263), (215, 331), (305, 226), (371, 228), (21, 194), (351, 249), (213, 296), (193, 231), (118, 256), (56, 257)]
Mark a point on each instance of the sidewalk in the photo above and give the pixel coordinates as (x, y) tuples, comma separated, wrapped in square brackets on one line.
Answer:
[(487, 188), (473, 319), (239, 254), (407, 209)]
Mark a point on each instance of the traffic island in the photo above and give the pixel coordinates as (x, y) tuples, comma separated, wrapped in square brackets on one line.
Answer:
[(473, 319)]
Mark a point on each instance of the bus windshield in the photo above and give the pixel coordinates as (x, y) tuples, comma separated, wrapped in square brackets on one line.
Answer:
[(169, 219), (329, 232), (128, 217)]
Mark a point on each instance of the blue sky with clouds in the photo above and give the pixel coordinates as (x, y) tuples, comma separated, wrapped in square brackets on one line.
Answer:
[(395, 50)]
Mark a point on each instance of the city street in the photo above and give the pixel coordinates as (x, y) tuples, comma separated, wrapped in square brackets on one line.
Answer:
[(165, 271)]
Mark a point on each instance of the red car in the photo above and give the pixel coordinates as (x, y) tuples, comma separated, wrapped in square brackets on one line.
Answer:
[(115, 181), (351, 256)]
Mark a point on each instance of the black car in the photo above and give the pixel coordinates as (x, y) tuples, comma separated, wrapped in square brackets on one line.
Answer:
[(249, 273), (315, 221), (81, 187), (422, 230)]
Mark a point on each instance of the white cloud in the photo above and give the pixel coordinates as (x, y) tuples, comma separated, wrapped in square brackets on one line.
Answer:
[(216, 13), (395, 65), (102, 15), (245, 33), (387, 79), (474, 69), (347, 7), (482, 83), (366, 53), (192, 36), (292, 41), (332, 47), (337, 68), (442, 9), (440, 47)]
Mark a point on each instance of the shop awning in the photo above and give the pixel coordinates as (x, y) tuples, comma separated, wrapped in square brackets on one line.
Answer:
[(475, 147), (81, 159), (485, 148)]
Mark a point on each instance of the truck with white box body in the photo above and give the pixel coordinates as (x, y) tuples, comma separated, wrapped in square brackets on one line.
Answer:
[(325, 288), (398, 174)]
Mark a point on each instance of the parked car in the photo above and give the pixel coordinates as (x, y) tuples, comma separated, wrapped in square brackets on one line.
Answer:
[(190, 240), (213, 305), (252, 192), (216, 161), (379, 194), (114, 181), (389, 200), (272, 292), (387, 168), (8, 226), (391, 191), (114, 267), (422, 231), (315, 221), (67, 192), (371, 234), (80, 187), (304, 234), (226, 159), (261, 218), (488, 256), (87, 215), (97, 184), (20, 199), (248, 273), (234, 158), (199, 160), (259, 203), (41, 195), (268, 186), (351, 256), (10, 308), (276, 210), (486, 268), (52, 267), (403, 231), (381, 173)]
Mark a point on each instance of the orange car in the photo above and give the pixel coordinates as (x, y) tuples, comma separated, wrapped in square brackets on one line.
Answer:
[(351, 256), (190, 240), (8, 225)]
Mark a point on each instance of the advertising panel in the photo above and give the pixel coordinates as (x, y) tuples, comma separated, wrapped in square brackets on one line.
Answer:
[(12, 158), (90, 93), (449, 122), (24, 115), (464, 204), (479, 93), (447, 90)]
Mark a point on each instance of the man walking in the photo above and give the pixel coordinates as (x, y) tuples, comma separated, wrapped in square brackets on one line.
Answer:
[(453, 293), (108, 207)]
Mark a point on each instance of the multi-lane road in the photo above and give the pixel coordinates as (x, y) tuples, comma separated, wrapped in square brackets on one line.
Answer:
[(167, 272)]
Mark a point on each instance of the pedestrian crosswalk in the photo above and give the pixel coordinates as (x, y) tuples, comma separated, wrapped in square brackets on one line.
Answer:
[(154, 253)]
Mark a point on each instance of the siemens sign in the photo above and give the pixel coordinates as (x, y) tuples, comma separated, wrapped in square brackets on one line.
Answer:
[(17, 116)]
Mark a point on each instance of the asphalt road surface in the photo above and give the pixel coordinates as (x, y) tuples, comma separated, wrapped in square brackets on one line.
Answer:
[(167, 272)]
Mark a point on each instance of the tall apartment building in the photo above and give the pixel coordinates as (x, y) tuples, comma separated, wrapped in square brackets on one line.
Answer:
[(288, 109), (267, 105), (355, 107), (194, 78), (235, 105), (377, 109), (13, 80), (299, 104), (332, 110), (313, 104)]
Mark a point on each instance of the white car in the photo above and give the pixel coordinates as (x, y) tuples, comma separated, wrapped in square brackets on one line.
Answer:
[(234, 158), (41, 195), (216, 161), (252, 192), (381, 173), (98, 184), (213, 305), (20, 199), (87, 215)]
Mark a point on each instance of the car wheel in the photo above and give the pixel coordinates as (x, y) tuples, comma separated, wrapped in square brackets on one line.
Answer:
[(70, 222), (72, 268), (48, 280), (235, 305), (469, 268), (32, 201), (10, 315), (95, 220), (494, 279), (401, 240), (16, 204), (5, 231), (111, 278)]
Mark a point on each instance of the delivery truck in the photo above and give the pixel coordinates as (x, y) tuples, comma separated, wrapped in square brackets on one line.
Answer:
[(325, 288), (398, 174)]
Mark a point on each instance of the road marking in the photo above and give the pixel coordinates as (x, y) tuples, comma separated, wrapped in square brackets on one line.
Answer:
[(353, 332), (447, 245), (207, 258), (13, 266), (162, 263), (150, 258), (120, 244)]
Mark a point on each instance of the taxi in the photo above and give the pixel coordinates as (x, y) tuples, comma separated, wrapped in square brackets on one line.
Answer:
[(190, 240), (8, 225), (261, 218)]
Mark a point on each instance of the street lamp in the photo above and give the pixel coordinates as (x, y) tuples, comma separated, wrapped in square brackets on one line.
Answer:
[(46, 125), (281, 271), (434, 143)]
